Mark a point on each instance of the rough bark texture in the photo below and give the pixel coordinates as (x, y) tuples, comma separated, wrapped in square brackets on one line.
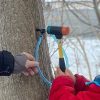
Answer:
[(18, 19)]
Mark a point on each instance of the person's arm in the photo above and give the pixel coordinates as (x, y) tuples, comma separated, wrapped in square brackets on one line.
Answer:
[(80, 83), (63, 86), (63, 89), (21, 63), (67, 86), (6, 63)]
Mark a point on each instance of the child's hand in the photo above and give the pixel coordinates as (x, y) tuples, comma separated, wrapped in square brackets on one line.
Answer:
[(25, 63), (67, 72)]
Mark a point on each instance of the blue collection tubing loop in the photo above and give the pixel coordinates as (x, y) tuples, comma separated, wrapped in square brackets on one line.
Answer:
[(36, 55)]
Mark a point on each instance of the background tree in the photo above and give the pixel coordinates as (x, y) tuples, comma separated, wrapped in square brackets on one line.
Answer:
[(83, 43), (18, 20), (96, 7)]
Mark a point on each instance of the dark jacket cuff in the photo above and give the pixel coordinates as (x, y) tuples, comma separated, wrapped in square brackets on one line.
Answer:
[(6, 63)]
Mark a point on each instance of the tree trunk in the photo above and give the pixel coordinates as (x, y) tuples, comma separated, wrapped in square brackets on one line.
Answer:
[(18, 20), (96, 8)]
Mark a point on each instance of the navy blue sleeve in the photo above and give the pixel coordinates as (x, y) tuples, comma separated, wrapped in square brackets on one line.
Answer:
[(6, 63)]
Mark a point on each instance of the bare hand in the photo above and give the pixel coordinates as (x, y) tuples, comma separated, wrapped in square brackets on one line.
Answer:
[(30, 65)]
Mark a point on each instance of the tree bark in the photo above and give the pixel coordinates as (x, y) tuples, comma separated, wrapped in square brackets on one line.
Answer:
[(18, 20)]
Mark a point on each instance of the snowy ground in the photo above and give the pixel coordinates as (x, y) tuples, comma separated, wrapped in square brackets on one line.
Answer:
[(76, 58), (79, 61)]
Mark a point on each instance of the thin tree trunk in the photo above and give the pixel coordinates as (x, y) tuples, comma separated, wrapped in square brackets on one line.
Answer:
[(97, 11), (18, 19), (86, 58)]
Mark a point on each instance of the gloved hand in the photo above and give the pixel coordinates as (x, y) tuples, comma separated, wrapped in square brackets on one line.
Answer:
[(67, 72), (25, 63)]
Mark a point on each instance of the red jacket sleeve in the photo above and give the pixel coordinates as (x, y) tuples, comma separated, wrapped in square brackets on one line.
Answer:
[(80, 83), (62, 89)]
